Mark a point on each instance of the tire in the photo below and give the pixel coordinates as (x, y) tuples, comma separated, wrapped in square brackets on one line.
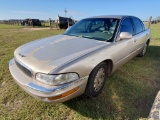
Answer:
[(144, 50), (96, 80)]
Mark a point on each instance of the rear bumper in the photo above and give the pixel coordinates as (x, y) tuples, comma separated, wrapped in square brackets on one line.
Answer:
[(47, 93)]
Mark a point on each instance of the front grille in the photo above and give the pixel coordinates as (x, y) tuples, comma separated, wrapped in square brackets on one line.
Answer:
[(24, 69)]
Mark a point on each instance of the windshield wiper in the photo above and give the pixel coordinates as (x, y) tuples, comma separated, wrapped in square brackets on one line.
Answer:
[(96, 38), (72, 35), (89, 37)]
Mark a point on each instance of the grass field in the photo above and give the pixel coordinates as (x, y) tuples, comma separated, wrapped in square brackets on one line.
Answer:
[(128, 94)]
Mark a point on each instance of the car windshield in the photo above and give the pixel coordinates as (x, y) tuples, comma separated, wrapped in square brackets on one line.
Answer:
[(94, 28)]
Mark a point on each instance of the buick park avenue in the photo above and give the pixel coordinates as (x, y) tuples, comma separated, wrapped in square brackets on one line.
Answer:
[(62, 67)]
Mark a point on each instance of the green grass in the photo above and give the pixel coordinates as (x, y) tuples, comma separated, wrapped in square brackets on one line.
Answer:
[(128, 94), (7, 26)]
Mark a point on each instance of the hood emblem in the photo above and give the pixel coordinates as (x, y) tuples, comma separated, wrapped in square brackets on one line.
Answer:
[(22, 55)]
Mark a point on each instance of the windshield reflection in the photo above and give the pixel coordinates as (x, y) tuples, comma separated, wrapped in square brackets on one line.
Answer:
[(102, 29)]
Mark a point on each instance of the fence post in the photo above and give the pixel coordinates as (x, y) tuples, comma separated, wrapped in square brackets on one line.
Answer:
[(68, 22), (149, 22), (50, 24), (44, 23)]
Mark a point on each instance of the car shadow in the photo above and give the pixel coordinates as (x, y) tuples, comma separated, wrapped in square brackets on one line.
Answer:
[(125, 95)]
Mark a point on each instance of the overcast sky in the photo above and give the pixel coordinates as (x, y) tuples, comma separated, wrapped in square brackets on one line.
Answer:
[(77, 9)]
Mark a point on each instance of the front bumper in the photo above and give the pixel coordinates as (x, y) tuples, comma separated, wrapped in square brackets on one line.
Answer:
[(47, 93)]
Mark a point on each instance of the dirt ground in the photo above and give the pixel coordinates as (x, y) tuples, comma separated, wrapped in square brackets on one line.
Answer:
[(31, 29)]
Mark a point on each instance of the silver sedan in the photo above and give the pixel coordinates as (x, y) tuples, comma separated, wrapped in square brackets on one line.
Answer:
[(61, 67)]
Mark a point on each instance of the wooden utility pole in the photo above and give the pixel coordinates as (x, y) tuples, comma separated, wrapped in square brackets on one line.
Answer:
[(65, 11)]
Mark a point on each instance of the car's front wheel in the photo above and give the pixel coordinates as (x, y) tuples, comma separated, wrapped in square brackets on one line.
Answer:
[(96, 80)]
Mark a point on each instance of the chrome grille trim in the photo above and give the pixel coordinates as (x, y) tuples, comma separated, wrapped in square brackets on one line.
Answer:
[(25, 69)]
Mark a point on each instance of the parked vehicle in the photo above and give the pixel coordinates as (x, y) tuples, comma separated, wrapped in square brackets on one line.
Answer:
[(61, 67), (31, 22), (64, 22)]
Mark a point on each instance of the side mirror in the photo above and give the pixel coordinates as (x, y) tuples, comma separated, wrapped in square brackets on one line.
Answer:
[(124, 35)]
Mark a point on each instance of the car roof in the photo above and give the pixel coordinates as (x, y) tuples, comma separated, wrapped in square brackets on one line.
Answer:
[(112, 16)]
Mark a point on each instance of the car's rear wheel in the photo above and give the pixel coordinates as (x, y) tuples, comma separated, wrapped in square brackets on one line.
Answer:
[(144, 50), (96, 80)]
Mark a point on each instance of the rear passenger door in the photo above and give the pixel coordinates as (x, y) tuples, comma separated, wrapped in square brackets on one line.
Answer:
[(139, 36)]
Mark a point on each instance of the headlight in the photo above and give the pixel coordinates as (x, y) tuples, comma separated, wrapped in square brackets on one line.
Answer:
[(57, 79)]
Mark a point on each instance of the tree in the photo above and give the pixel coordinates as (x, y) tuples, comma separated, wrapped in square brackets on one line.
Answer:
[(158, 18)]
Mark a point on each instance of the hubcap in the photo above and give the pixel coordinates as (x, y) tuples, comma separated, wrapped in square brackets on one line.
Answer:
[(144, 49), (98, 81)]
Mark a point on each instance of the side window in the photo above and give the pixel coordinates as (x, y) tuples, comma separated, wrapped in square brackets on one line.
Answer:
[(126, 26), (137, 24)]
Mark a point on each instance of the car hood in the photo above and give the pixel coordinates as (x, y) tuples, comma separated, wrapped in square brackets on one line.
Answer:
[(46, 54)]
